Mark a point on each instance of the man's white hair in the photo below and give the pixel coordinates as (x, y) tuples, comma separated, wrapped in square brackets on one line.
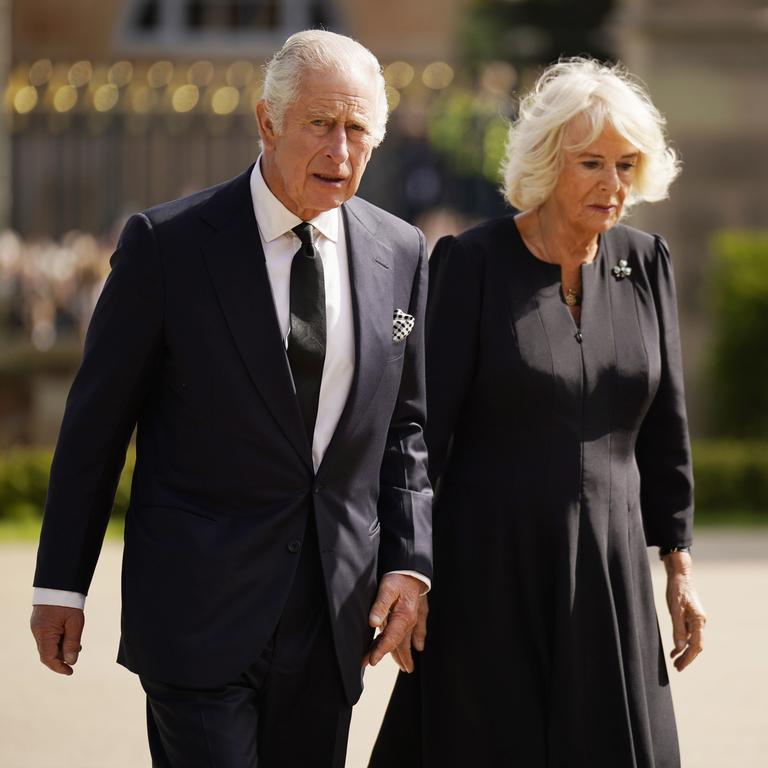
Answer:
[(600, 94), (319, 50)]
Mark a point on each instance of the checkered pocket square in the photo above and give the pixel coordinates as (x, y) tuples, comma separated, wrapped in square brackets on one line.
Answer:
[(402, 325)]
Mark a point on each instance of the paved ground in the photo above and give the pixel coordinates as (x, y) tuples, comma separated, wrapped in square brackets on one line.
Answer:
[(95, 718)]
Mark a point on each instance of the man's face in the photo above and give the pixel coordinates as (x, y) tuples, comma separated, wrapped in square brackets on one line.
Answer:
[(317, 160)]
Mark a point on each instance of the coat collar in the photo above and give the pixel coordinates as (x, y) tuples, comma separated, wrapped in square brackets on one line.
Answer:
[(235, 260)]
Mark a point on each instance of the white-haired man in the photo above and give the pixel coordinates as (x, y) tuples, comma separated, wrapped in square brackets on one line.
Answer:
[(266, 338)]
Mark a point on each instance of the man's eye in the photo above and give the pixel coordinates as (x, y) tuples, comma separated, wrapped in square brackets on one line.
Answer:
[(356, 127), (318, 121)]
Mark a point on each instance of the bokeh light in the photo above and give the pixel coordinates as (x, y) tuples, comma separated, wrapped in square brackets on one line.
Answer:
[(225, 100), (200, 73), (40, 72), (160, 74), (120, 73), (25, 100), (105, 97), (239, 74), (65, 98), (80, 73), (399, 74), (185, 98), (437, 75), (393, 98)]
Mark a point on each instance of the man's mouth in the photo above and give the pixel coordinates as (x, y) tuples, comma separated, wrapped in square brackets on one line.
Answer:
[(329, 178)]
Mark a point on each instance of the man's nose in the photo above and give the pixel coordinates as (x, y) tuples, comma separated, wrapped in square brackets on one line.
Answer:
[(337, 149)]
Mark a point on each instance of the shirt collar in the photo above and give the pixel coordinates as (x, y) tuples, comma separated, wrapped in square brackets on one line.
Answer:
[(275, 220)]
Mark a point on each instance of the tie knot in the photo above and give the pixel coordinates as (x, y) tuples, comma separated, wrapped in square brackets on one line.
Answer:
[(306, 233)]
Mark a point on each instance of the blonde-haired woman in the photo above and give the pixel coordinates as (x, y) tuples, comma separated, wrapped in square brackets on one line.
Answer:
[(559, 450)]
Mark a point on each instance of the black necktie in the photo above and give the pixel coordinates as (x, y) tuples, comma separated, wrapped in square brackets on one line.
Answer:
[(306, 341)]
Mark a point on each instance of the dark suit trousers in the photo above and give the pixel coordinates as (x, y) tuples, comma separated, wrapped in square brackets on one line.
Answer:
[(288, 710)]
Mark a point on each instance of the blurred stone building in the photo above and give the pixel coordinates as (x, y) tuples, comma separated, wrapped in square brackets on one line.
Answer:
[(118, 104), (114, 105), (706, 65)]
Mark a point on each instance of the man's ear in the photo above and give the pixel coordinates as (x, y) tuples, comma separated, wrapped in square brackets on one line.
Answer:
[(266, 127)]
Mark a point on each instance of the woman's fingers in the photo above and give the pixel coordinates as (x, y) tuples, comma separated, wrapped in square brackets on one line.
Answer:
[(688, 620), (679, 629)]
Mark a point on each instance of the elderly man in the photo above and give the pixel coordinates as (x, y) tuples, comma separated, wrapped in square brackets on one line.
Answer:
[(265, 337)]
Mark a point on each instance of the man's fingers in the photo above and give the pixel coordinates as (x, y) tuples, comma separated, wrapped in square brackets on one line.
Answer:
[(57, 631), (380, 609), (419, 635), (402, 654), (392, 636), (73, 632)]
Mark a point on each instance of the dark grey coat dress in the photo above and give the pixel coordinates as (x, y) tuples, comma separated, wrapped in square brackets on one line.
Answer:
[(559, 455)]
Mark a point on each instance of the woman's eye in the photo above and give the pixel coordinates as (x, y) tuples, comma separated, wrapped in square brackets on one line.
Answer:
[(591, 164), (626, 166)]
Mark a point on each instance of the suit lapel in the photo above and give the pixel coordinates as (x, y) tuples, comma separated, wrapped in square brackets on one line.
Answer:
[(235, 260), (371, 276)]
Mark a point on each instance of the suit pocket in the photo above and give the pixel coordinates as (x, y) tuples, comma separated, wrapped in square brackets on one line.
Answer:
[(396, 352)]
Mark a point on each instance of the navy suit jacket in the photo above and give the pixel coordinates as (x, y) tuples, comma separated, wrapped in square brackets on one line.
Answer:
[(184, 345)]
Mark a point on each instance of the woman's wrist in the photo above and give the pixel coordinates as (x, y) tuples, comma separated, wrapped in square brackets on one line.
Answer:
[(677, 561)]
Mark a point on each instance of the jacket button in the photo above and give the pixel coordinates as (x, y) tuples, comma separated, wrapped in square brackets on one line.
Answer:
[(318, 488), (294, 547)]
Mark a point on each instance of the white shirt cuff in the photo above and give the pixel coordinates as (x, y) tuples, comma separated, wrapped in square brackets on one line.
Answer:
[(44, 596), (416, 575)]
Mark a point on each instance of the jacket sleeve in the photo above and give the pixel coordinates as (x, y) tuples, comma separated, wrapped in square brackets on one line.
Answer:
[(109, 390), (405, 496), (663, 449), (453, 322)]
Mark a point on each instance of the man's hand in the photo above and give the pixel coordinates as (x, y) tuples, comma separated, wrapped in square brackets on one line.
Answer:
[(415, 638), (57, 630), (394, 612), (688, 617)]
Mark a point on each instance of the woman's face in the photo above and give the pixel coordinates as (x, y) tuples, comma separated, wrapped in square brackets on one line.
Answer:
[(594, 182)]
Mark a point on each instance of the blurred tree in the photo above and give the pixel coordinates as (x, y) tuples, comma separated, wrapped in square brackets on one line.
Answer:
[(534, 32), (739, 394), (503, 44)]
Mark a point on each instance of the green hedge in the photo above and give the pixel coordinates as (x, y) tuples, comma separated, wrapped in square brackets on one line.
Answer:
[(738, 363), (731, 479), (731, 476), (24, 483)]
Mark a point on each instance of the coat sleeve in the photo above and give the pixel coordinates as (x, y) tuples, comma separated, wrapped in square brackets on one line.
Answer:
[(453, 323), (109, 390), (663, 447), (405, 496)]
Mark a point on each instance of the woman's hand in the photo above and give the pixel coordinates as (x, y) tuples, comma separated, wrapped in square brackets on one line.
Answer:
[(685, 608)]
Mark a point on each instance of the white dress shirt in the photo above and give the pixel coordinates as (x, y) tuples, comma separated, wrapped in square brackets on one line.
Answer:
[(275, 223)]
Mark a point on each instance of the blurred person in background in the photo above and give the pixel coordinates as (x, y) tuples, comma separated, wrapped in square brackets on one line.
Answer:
[(266, 338), (559, 451)]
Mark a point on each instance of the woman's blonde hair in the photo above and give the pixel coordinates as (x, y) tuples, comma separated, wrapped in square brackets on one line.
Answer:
[(600, 94)]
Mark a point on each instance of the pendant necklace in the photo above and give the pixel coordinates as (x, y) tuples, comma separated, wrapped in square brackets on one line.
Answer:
[(568, 296)]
